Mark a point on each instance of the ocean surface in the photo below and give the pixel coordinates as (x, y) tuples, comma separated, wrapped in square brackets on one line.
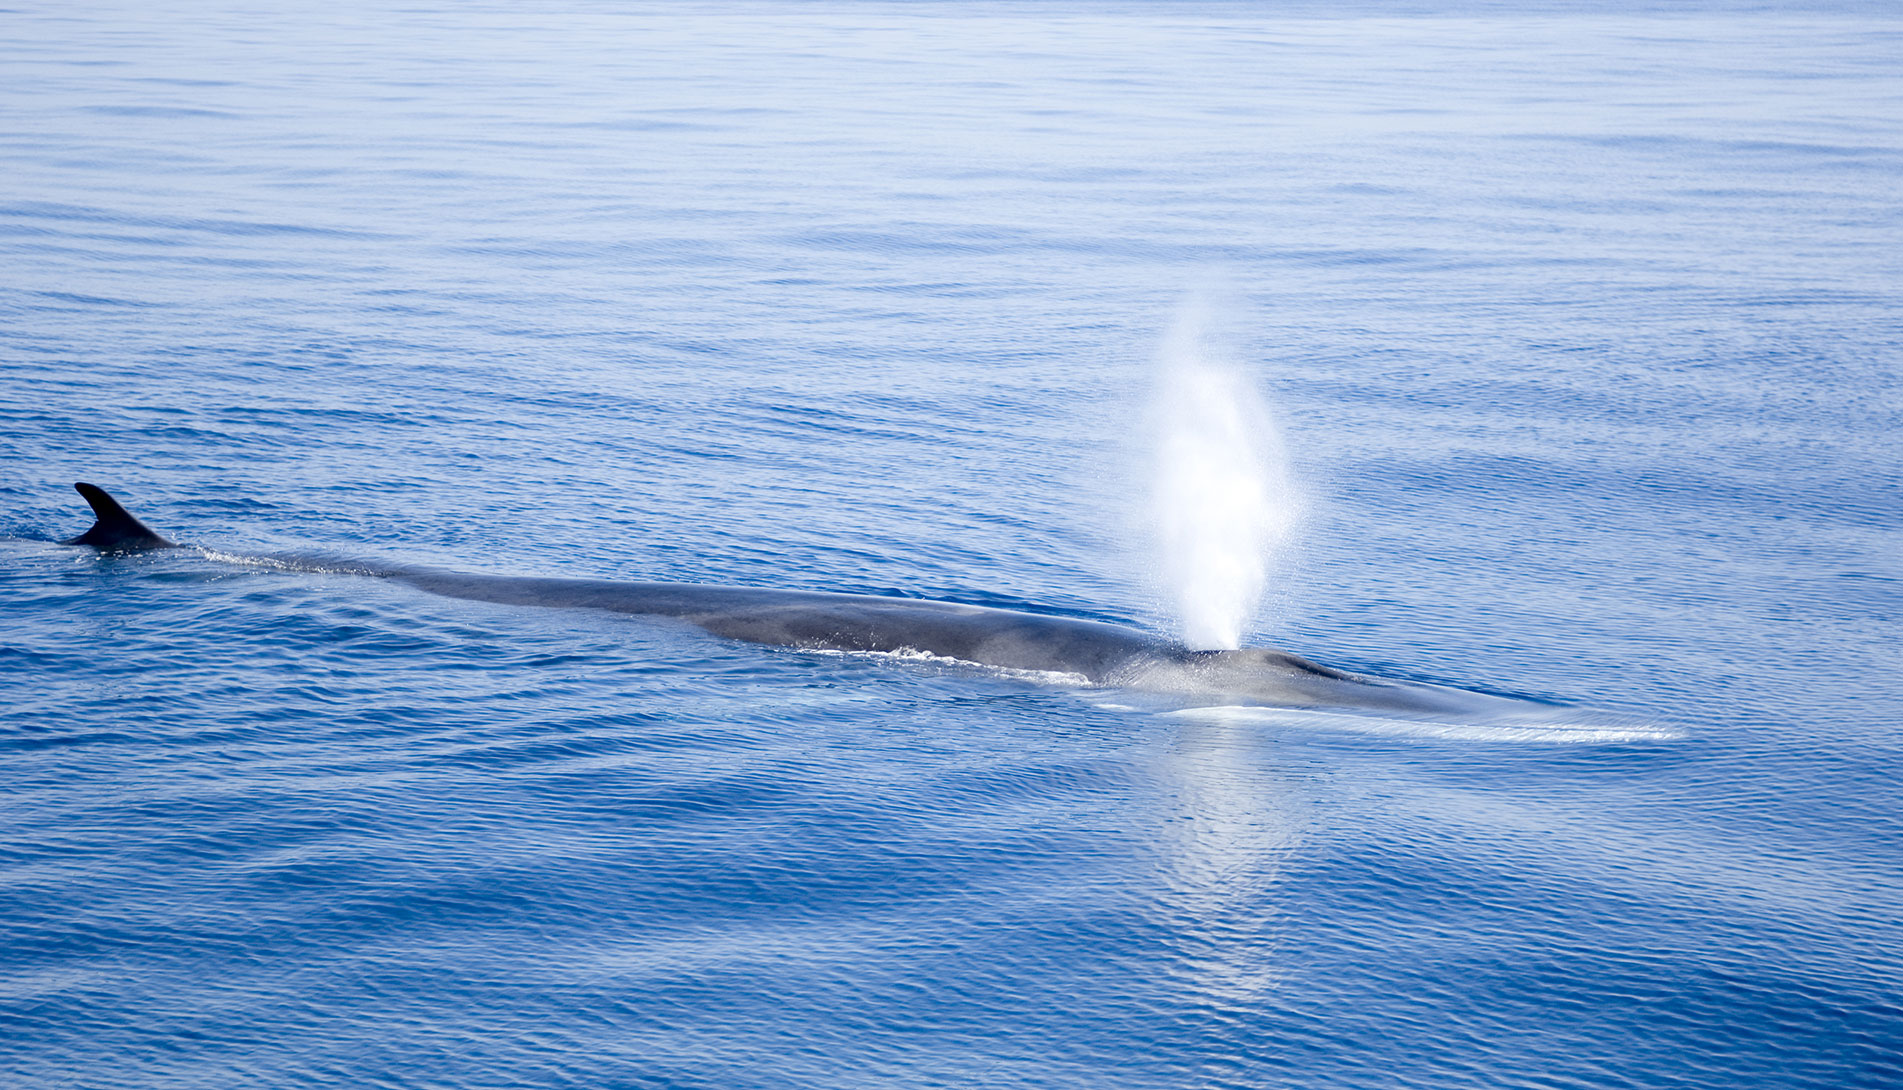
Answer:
[(1583, 332)]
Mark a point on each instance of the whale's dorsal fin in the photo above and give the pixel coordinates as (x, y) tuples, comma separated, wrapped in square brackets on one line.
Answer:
[(116, 530)]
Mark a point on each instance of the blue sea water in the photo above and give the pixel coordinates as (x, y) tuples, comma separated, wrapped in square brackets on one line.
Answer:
[(1584, 328)]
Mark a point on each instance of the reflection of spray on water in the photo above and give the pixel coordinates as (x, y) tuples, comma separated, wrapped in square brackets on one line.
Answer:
[(1224, 506)]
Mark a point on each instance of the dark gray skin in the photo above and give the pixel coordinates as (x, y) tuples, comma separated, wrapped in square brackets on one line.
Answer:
[(1103, 654), (114, 530)]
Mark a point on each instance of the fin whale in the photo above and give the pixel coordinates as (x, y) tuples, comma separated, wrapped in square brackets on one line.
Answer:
[(1099, 652)]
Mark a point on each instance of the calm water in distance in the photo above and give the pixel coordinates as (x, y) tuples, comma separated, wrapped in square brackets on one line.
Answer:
[(1584, 331)]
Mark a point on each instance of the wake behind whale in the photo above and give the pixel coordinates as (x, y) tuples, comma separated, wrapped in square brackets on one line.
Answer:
[(1099, 653)]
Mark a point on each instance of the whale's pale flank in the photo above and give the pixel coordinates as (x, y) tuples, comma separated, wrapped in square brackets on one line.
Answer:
[(1104, 654)]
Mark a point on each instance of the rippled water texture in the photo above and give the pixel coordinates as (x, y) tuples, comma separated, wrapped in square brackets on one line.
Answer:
[(1583, 333)]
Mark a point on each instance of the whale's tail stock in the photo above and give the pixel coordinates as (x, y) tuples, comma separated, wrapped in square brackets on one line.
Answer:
[(114, 528)]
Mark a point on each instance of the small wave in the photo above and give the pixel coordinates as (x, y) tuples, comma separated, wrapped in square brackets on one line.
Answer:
[(1060, 678), (293, 563)]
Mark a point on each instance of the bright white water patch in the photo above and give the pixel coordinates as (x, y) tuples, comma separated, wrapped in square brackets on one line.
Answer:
[(1223, 506), (1587, 729)]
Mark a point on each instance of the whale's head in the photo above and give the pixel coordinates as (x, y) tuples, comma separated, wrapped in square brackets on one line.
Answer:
[(1262, 676)]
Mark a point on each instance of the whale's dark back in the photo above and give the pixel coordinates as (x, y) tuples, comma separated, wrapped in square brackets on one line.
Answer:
[(1093, 651), (835, 622)]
